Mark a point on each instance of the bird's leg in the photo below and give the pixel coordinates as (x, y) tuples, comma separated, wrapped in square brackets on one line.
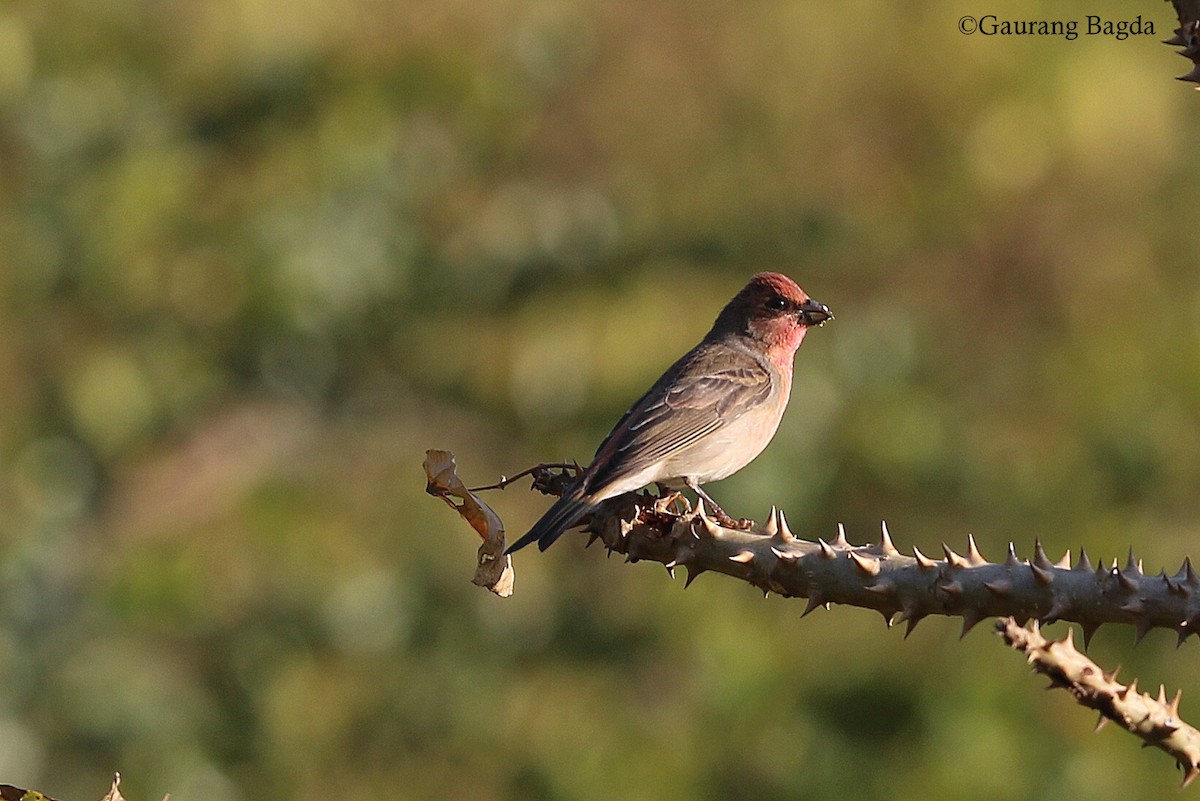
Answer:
[(718, 513)]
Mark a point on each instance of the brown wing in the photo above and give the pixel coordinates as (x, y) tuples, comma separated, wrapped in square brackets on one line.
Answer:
[(699, 394)]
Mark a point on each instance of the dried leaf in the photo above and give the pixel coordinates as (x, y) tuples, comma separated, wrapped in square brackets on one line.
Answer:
[(494, 570), (114, 793)]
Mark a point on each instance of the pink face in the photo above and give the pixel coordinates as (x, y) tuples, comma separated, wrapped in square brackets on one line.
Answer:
[(779, 313)]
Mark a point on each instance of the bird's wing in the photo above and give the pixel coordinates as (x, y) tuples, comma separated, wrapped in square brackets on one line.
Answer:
[(699, 394)]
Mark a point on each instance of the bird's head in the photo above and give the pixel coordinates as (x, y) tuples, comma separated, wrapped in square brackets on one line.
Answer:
[(773, 310)]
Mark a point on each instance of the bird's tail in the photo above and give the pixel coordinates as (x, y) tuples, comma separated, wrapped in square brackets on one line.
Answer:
[(565, 512)]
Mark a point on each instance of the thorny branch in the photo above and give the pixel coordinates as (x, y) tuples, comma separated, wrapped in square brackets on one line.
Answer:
[(1187, 36), (910, 588), (1154, 719)]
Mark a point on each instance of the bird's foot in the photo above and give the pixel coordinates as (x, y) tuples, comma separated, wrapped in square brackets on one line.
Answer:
[(666, 500)]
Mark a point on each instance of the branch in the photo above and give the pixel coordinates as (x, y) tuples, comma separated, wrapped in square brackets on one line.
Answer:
[(907, 588), (1187, 36), (1154, 720), (902, 588)]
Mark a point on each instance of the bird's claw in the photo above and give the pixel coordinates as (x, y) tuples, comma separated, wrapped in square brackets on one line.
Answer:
[(664, 502)]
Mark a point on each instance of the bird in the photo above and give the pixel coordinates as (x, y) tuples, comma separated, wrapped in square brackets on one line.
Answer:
[(709, 415)]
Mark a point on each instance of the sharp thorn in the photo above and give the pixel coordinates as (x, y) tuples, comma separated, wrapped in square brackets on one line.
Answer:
[(973, 554), (1000, 589), (745, 557), (827, 551), (814, 601), (1011, 560), (1084, 562), (1065, 561), (1089, 628), (953, 559), (1041, 575), (772, 526), (785, 533), (886, 546), (867, 565), (971, 618), (1039, 556), (923, 561), (841, 541)]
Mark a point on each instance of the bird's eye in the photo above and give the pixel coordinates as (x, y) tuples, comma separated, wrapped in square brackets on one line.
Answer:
[(776, 303)]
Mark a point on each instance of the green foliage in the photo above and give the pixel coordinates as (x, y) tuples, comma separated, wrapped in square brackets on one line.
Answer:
[(260, 255)]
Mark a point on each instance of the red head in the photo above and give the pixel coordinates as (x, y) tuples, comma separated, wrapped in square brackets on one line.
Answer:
[(772, 311)]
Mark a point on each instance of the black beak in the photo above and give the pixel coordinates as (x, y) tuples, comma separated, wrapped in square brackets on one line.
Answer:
[(814, 313)]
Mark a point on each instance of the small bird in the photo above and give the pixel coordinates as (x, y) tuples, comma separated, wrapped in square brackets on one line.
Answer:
[(708, 416)]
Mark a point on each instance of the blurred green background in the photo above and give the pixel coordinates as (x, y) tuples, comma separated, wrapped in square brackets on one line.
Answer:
[(261, 254)]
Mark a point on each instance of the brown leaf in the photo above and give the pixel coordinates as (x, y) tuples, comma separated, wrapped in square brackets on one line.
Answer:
[(494, 571)]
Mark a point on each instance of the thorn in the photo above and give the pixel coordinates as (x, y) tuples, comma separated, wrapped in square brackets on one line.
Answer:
[(1177, 40), (1041, 574), (1059, 608), (923, 561), (1132, 688), (1111, 675), (973, 554), (1194, 77), (884, 587), (1133, 566), (1176, 587), (1134, 606), (952, 588), (887, 617), (886, 546), (1011, 559), (953, 559), (670, 566), (1068, 641), (692, 573), (1084, 562), (1187, 573), (1183, 633), (1173, 707), (867, 565), (772, 526), (1065, 561), (912, 618), (1127, 583), (1162, 695), (1100, 723), (1139, 631), (710, 527), (814, 601), (1039, 556), (1192, 772), (1089, 628), (788, 557), (971, 618), (827, 551), (785, 533), (701, 512), (841, 541), (745, 557), (592, 537), (1000, 589)]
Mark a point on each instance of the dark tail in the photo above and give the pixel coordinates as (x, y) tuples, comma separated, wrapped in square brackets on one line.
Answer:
[(565, 513)]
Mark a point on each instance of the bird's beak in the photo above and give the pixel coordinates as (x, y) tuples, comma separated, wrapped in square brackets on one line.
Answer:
[(814, 313)]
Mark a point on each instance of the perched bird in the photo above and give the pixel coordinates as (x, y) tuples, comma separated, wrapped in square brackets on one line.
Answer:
[(709, 415)]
